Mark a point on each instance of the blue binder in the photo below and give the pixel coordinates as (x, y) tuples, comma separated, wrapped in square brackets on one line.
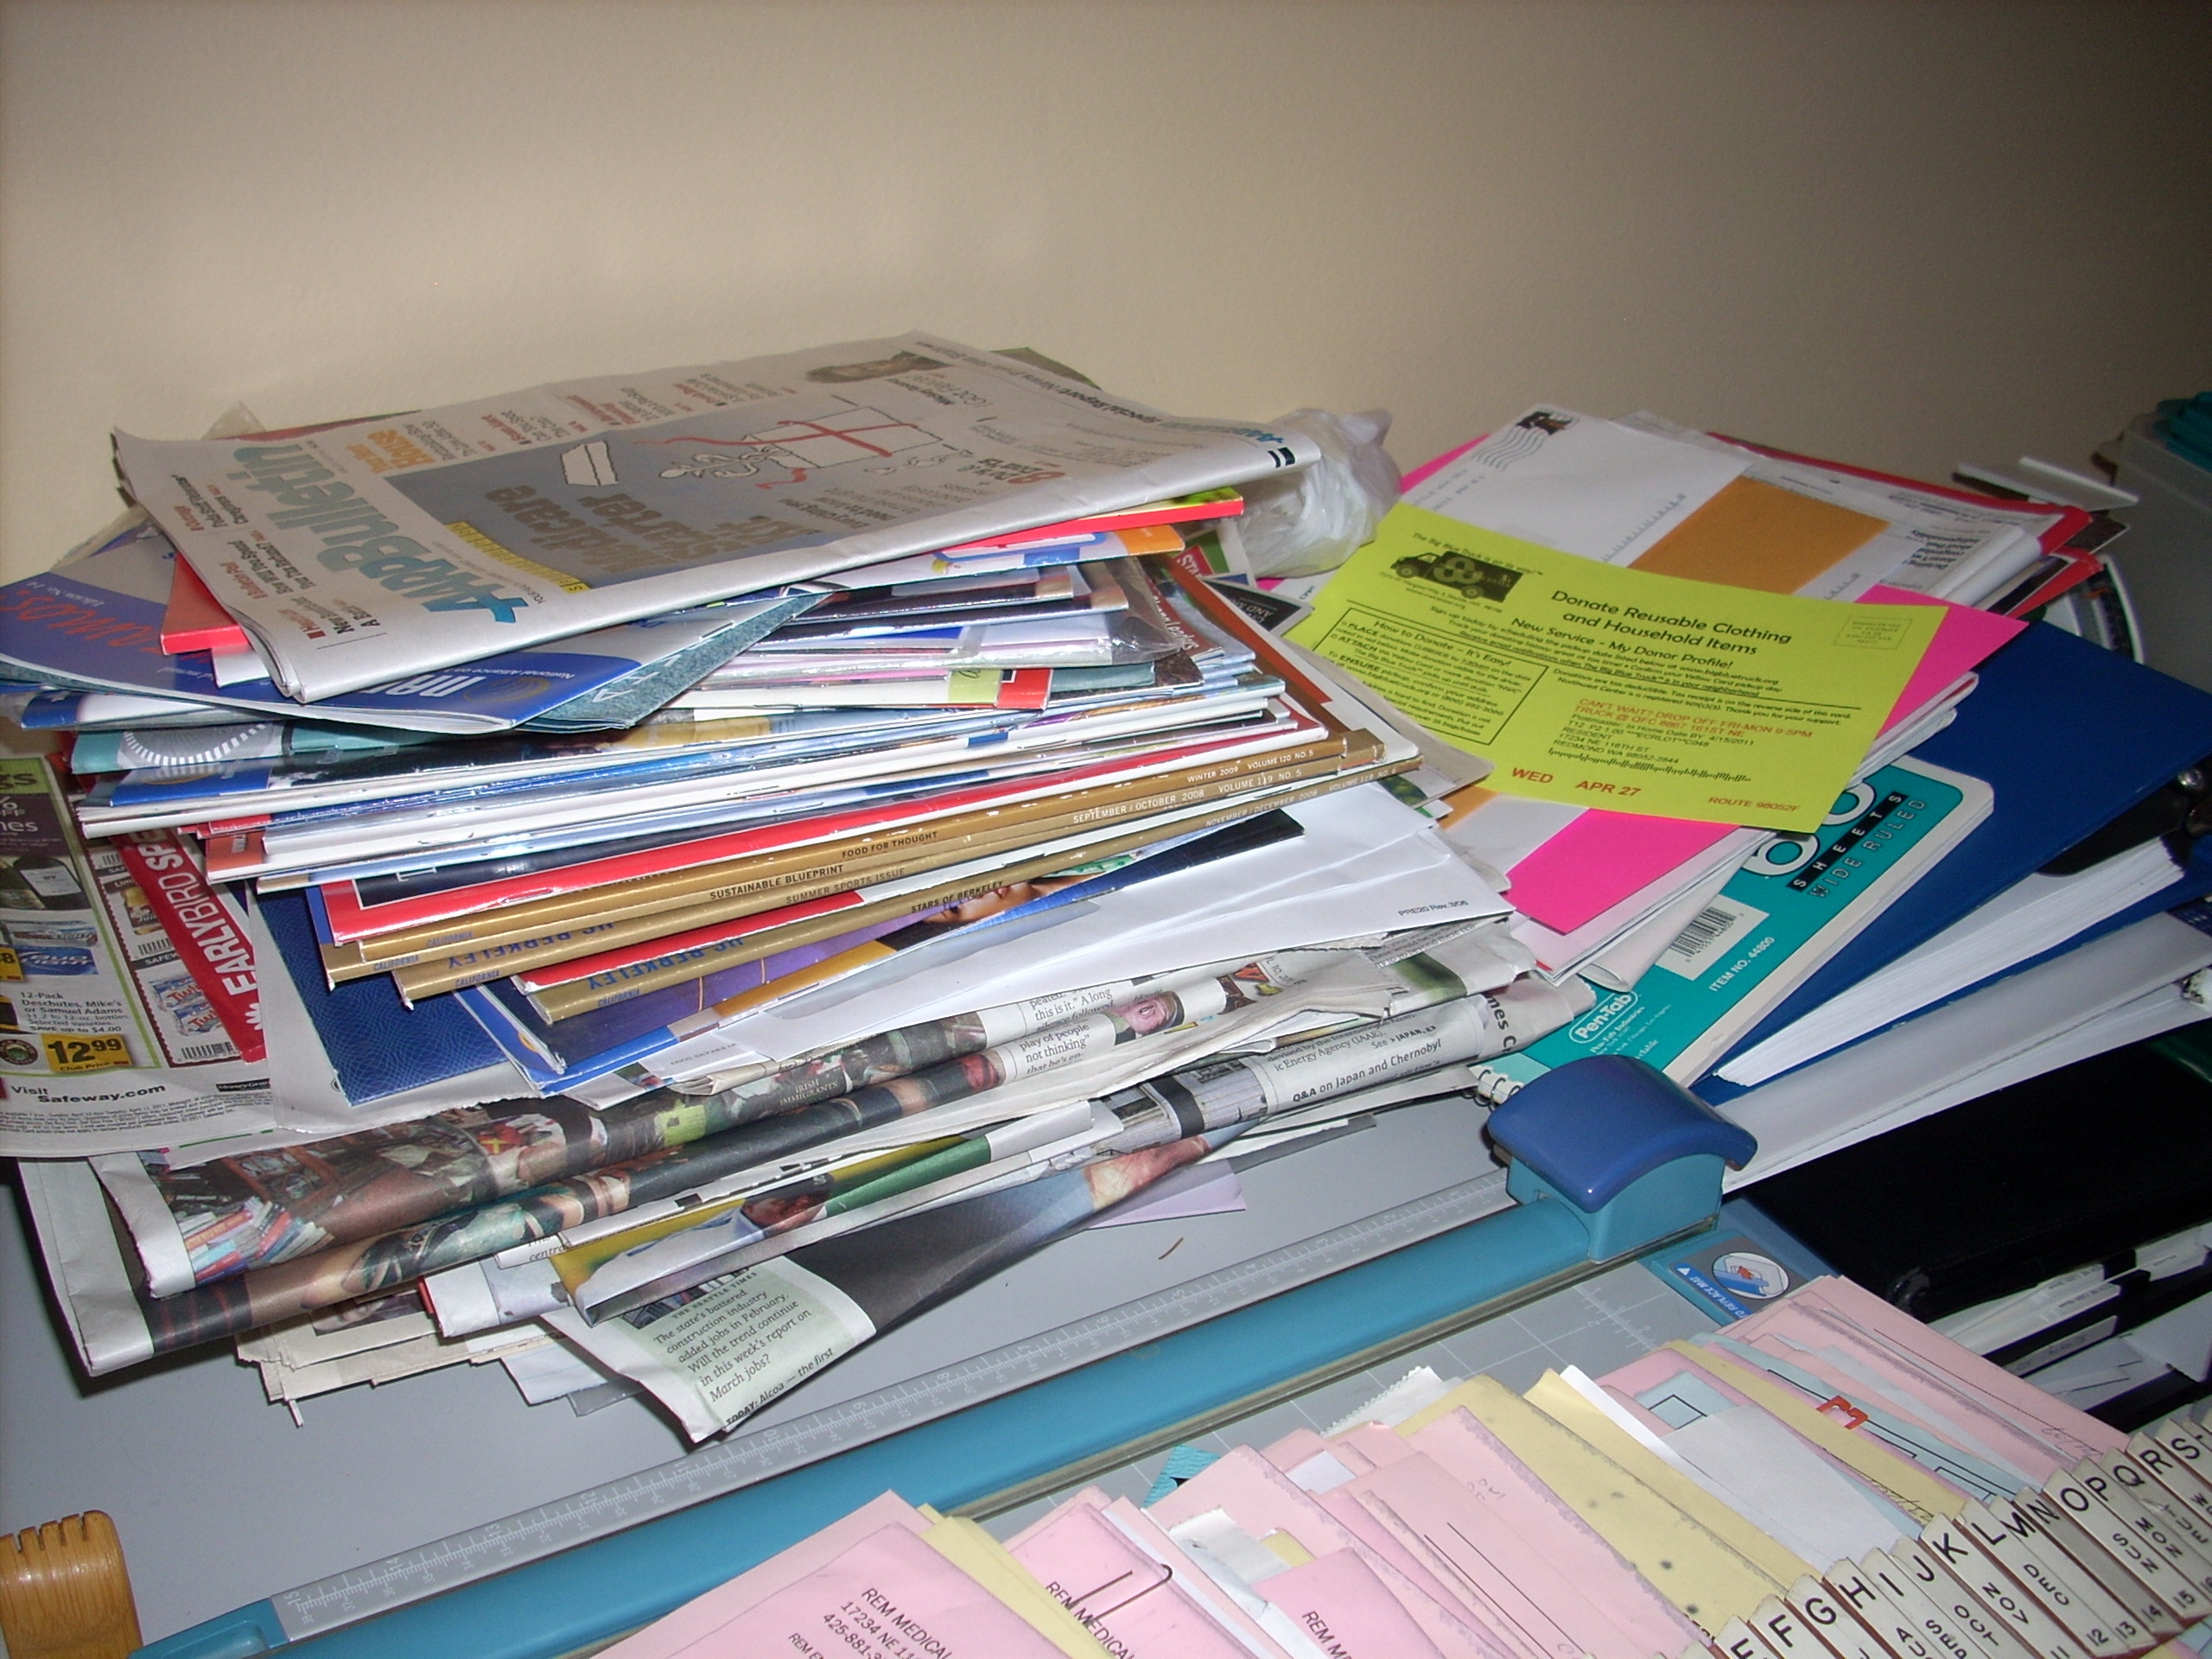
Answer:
[(2069, 735)]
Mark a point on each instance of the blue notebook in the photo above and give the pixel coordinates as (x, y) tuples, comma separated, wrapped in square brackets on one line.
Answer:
[(2069, 735), (378, 1045)]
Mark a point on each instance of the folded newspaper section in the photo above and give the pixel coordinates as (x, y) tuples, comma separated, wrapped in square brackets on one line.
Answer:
[(698, 1349), (218, 1256), (1485, 1011), (216, 1220), (92, 624), (360, 553), (715, 1354)]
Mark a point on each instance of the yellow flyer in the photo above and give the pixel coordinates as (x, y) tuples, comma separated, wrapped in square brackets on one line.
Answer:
[(1604, 686)]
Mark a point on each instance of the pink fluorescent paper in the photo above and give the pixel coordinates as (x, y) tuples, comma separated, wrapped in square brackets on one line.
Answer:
[(1601, 858), (1338, 1601), (1964, 640), (1130, 1602), (1438, 464), (701, 1617)]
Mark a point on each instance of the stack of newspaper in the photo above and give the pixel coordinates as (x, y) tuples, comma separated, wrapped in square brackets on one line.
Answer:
[(876, 847)]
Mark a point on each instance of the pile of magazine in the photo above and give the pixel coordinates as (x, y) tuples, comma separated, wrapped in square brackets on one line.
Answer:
[(742, 851), (656, 881)]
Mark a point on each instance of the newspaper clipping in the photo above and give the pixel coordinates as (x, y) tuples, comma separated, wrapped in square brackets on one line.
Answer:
[(362, 553), (106, 1019)]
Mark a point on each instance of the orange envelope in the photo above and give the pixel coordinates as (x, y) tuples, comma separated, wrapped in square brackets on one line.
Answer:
[(1755, 535)]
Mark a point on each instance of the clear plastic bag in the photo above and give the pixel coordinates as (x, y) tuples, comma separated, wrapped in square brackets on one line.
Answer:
[(1309, 521)]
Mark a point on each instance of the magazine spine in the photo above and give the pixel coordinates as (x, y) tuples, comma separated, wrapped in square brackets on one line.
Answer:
[(577, 995), (808, 895), (878, 854), (351, 919)]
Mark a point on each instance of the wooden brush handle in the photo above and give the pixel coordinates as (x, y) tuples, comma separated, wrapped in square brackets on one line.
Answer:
[(65, 1593)]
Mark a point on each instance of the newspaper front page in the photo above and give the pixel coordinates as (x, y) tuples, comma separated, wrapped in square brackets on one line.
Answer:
[(361, 554), (106, 1031), (119, 1034)]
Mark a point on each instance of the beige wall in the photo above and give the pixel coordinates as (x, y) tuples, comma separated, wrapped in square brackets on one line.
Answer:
[(1896, 232)]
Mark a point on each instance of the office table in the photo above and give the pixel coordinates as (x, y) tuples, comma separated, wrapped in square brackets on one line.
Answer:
[(221, 1500)]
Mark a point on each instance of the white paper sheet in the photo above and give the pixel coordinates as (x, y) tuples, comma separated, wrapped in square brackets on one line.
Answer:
[(2116, 990), (1579, 484), (2032, 915), (1197, 1190), (1366, 864), (1780, 1483)]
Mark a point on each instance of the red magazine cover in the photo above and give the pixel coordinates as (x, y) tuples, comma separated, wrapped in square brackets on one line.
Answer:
[(194, 621)]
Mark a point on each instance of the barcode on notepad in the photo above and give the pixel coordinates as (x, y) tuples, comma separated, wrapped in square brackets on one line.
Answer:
[(1712, 931)]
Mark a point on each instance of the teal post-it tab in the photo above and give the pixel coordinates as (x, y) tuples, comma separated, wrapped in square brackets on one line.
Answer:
[(1184, 1463)]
